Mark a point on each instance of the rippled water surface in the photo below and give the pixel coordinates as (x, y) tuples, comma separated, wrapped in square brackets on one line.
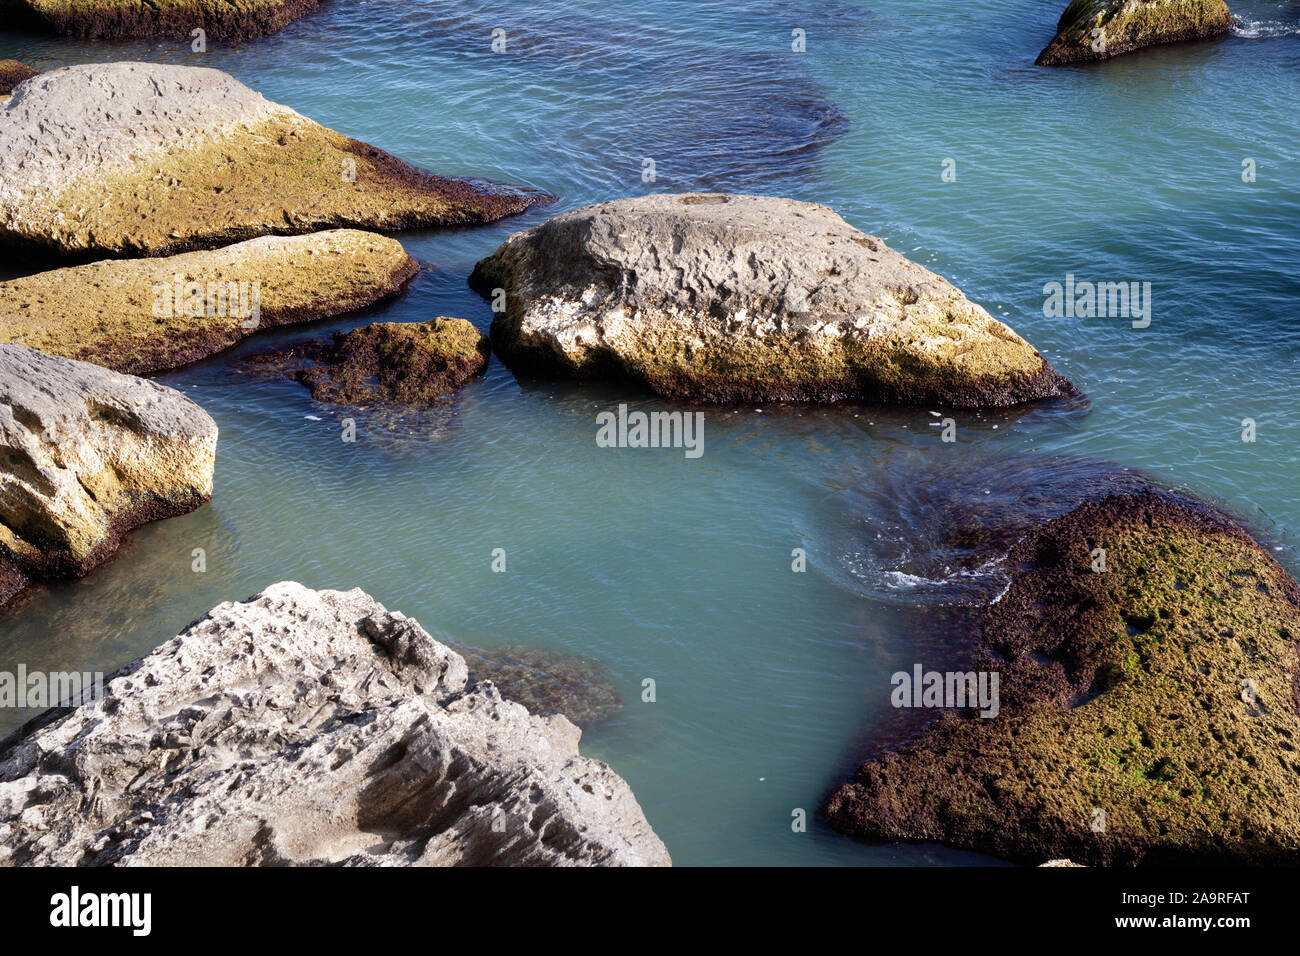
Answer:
[(770, 684)]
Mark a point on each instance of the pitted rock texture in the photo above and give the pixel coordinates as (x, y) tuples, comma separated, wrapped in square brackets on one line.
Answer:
[(145, 159), (1150, 710), (1101, 29), (727, 298), (129, 19), (150, 315), (87, 454), (310, 727)]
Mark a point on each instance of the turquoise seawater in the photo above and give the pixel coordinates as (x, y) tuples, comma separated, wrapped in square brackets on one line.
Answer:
[(770, 685)]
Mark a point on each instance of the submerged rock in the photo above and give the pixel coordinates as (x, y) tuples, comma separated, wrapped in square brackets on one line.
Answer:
[(548, 681), (309, 727), (1148, 712), (129, 19), (86, 455), (1100, 29), (150, 315), (407, 362), (129, 159), (746, 298), (12, 73)]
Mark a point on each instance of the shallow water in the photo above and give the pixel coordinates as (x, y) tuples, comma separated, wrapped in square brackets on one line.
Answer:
[(770, 685)]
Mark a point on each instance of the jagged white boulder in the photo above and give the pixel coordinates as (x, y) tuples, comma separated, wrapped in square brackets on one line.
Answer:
[(315, 727)]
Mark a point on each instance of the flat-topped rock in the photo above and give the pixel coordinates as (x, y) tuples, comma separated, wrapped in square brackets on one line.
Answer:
[(747, 298), (149, 315), (144, 159), (310, 727), (87, 454), (1148, 709), (131, 19), (1101, 29)]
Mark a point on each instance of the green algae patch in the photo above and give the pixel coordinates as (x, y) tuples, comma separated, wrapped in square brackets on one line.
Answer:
[(409, 363), (1148, 711), (1100, 29), (150, 315)]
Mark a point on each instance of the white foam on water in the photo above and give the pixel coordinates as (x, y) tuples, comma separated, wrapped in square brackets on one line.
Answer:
[(1255, 29)]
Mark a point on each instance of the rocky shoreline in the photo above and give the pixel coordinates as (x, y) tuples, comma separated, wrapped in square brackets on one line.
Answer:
[(1149, 700)]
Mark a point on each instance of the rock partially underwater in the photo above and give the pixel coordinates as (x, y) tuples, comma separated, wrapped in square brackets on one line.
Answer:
[(743, 298), (548, 682), (132, 19), (144, 159), (150, 315), (310, 727), (1101, 29), (87, 455), (409, 363), (1148, 711)]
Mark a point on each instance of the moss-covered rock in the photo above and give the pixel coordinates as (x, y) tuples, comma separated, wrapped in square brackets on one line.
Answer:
[(409, 363), (12, 73), (147, 159), (131, 19), (1100, 29), (1148, 712), (744, 298), (149, 315)]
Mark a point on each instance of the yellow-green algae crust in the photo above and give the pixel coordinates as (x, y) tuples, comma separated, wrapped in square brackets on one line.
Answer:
[(1148, 713), (106, 313), (1100, 29), (284, 176)]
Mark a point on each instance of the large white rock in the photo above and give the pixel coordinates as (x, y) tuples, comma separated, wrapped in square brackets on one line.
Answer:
[(747, 298), (87, 454), (310, 727)]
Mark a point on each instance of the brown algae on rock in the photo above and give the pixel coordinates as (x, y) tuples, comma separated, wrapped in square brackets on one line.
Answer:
[(410, 363), (1148, 711), (1100, 29), (132, 19)]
